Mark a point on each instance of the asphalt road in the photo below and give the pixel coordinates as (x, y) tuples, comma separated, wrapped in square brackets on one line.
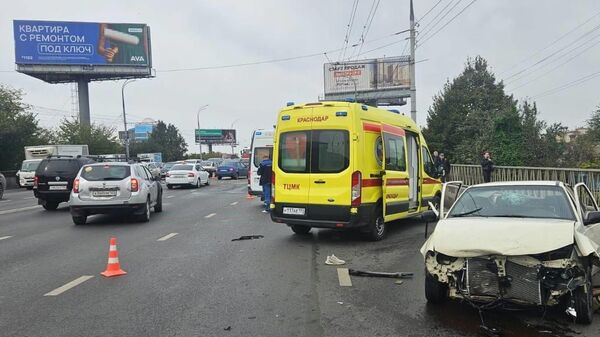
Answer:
[(200, 283)]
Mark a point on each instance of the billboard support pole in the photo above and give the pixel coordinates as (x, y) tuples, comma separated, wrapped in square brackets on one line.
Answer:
[(413, 89), (83, 96)]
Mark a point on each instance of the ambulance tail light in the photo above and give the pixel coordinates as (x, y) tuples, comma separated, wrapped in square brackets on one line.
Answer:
[(272, 187), (356, 189)]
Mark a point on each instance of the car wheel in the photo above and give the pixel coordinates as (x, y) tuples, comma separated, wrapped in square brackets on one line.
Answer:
[(158, 206), (18, 182), (79, 220), (1, 191), (169, 186), (435, 291), (583, 299), (29, 188), (197, 183), (301, 230), (219, 177), (50, 206), (377, 227), (207, 182), (235, 176), (146, 216)]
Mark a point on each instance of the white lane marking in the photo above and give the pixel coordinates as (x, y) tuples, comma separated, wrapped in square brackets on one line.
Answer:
[(69, 285), (210, 215), (167, 237), (234, 203), (5, 237), (344, 277), (170, 196), (15, 210), (28, 198)]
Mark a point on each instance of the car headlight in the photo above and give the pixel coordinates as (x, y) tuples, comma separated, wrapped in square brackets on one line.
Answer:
[(444, 259)]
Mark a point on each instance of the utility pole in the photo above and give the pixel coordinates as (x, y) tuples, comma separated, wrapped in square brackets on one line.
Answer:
[(125, 118), (413, 89)]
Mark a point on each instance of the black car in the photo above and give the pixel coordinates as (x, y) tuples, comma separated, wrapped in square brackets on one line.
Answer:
[(53, 179)]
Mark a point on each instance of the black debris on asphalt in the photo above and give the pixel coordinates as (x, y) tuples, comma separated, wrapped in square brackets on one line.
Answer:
[(248, 237), (355, 272)]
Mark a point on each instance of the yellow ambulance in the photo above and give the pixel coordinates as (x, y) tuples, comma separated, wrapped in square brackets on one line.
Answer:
[(348, 165)]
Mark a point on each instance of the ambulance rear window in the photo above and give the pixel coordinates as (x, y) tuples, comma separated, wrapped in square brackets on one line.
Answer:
[(292, 157), (329, 151)]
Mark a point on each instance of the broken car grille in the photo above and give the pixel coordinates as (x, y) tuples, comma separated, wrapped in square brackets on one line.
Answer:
[(521, 283)]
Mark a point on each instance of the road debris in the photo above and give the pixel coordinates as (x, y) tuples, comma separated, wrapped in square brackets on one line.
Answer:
[(344, 277), (227, 328), (340, 303), (333, 260), (403, 275), (248, 237), (399, 282)]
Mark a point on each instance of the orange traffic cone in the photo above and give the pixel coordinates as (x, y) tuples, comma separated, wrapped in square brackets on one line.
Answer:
[(113, 268), (250, 196)]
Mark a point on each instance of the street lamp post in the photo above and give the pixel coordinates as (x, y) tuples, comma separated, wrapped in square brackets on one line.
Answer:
[(198, 120), (125, 118)]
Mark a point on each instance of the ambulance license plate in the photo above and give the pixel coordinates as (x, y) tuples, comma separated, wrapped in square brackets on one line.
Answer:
[(294, 210)]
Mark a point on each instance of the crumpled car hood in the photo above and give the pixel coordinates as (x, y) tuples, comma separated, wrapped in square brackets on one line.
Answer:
[(476, 236)]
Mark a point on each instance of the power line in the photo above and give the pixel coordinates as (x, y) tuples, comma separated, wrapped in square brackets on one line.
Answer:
[(550, 44), (554, 53), (447, 23), (428, 27), (278, 59), (559, 65), (349, 29), (429, 11), (567, 85), (367, 25)]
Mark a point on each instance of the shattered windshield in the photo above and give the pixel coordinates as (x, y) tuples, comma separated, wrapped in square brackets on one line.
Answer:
[(513, 201)]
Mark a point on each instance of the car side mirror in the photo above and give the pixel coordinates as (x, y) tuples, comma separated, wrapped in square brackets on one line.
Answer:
[(591, 218)]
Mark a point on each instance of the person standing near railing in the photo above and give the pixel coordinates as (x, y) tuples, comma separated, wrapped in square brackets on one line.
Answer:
[(444, 167), (487, 166)]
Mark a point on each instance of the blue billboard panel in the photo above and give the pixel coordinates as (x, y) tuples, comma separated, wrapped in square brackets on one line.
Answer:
[(89, 43)]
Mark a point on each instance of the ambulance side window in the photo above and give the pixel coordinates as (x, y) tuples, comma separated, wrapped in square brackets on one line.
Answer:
[(428, 162), (395, 159)]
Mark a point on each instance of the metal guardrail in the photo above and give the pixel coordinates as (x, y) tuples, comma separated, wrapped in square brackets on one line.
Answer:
[(472, 174)]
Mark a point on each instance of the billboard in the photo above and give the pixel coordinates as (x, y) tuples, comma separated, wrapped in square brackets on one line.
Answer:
[(81, 43), (215, 136), (367, 75)]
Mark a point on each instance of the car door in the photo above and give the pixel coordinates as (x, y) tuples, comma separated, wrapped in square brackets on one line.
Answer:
[(199, 173), (396, 177), (450, 192), (585, 202), (150, 183)]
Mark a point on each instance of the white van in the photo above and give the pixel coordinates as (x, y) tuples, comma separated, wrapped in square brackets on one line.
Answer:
[(262, 144)]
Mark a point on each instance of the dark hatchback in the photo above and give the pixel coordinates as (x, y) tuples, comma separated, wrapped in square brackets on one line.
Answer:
[(232, 168), (53, 179)]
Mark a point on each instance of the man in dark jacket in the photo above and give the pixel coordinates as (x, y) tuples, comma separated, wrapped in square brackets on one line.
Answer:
[(487, 166), (265, 171), (444, 167)]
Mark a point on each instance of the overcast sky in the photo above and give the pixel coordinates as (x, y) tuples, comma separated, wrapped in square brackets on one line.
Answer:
[(187, 34)]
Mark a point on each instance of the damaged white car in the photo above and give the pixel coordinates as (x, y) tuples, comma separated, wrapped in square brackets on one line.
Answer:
[(533, 243)]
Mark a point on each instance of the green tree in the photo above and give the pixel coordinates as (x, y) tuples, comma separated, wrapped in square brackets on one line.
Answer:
[(467, 113), (100, 139), (165, 139), (18, 128)]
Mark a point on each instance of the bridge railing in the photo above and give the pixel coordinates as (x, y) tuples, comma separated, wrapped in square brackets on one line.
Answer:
[(472, 174)]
